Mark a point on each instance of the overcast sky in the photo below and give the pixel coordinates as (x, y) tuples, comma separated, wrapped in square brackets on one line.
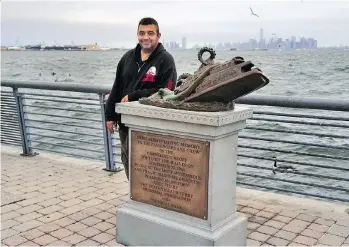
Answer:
[(114, 23)]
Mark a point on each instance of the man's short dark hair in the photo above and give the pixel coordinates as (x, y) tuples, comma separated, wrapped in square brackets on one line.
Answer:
[(149, 21)]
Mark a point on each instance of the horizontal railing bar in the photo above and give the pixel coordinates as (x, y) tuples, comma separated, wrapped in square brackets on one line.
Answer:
[(298, 132), (296, 172), (64, 124), (8, 106), (66, 146), (8, 101), (61, 96), (19, 141), (294, 192), (62, 131), (12, 118), (295, 102), (8, 128), (74, 87), (294, 162), (15, 136), (293, 142), (11, 143), (61, 101), (62, 109), (275, 120), (52, 115), (6, 92), (293, 182), (301, 115), (66, 139), (61, 152), (3, 110), (295, 152)]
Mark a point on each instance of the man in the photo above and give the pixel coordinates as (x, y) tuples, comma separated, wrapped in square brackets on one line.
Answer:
[(141, 72)]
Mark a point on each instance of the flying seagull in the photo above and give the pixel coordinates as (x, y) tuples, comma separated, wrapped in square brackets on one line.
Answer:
[(253, 13)]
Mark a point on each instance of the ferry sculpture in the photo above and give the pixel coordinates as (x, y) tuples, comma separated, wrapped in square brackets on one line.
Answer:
[(212, 87)]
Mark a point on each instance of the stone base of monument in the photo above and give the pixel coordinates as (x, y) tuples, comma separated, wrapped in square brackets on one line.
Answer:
[(182, 177)]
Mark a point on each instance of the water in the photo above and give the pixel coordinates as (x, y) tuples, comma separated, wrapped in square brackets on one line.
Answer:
[(316, 73)]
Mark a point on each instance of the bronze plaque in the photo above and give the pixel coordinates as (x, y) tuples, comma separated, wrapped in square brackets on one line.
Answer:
[(170, 172)]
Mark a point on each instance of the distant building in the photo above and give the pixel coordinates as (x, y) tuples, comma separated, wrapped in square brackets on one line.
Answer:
[(184, 43)]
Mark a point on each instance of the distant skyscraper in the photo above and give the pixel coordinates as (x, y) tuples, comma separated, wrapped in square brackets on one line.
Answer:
[(184, 43), (261, 34)]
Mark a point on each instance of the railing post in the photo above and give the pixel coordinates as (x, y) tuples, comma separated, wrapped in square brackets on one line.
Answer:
[(108, 144), (26, 144)]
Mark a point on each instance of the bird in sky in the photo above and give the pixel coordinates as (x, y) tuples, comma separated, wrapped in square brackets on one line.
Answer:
[(252, 13)]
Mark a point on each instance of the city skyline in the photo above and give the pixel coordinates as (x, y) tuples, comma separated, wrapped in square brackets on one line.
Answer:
[(114, 23)]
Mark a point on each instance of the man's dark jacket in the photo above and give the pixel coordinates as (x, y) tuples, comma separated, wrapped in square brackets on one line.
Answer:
[(140, 80)]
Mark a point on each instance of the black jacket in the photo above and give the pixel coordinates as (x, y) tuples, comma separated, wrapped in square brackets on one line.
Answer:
[(158, 71)]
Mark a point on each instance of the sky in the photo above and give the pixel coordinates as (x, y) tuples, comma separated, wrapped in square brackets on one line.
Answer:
[(114, 23)]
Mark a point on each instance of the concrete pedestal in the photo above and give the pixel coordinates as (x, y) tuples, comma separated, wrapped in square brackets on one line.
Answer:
[(182, 177)]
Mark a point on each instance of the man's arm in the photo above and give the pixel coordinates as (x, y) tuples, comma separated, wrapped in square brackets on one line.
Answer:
[(115, 95), (167, 78)]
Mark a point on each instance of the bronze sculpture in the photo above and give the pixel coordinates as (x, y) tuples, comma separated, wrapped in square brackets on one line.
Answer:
[(213, 87)]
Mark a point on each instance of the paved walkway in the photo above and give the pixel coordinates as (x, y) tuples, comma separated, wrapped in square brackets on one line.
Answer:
[(50, 200)]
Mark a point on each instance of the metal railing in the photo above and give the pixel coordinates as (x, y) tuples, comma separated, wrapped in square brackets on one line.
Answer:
[(290, 145)]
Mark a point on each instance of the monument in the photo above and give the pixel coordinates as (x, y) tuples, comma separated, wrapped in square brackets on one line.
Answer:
[(183, 158)]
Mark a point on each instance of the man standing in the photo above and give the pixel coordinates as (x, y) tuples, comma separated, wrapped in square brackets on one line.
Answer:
[(141, 72)]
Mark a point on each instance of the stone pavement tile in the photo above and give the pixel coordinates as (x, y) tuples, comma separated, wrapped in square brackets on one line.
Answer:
[(64, 221), (113, 243), (277, 241), (342, 231), (8, 224), (10, 215), (343, 222), (70, 202), (61, 233), (108, 196), (296, 226), (29, 209), (27, 226), (49, 227), (103, 238), (51, 217), (285, 235), (14, 240), (252, 225), (87, 242), (90, 221), (103, 226), (8, 233), (265, 214), (59, 243), (111, 231), (30, 201), (74, 239), (31, 234), (76, 227), (104, 206), (259, 220), (296, 244), (28, 217), (331, 240), (255, 205), (44, 240), (322, 221), (50, 209), (123, 191), (275, 224), (306, 217), (289, 213), (103, 215), (91, 203), (283, 219), (72, 209), (89, 232), (251, 242), (312, 233), (258, 236), (89, 196), (29, 243), (69, 196), (267, 230), (319, 228), (78, 216), (305, 240), (273, 209), (9, 208)]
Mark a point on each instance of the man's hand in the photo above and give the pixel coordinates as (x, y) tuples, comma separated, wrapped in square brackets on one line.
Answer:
[(125, 99), (111, 126)]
